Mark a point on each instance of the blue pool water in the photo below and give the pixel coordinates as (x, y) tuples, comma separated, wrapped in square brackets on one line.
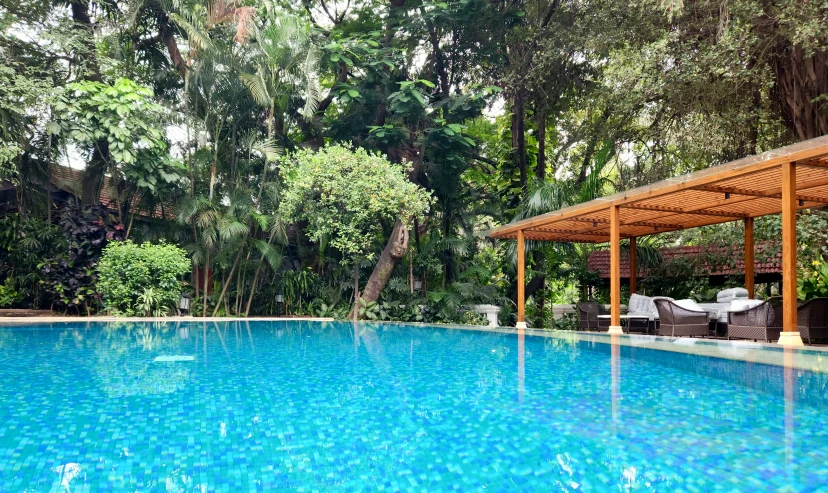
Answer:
[(267, 406)]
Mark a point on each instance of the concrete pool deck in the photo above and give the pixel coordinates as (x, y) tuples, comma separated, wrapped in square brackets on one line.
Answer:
[(810, 358)]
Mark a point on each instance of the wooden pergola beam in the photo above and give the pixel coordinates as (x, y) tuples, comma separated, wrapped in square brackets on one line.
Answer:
[(681, 210), (755, 193), (615, 270), (568, 231), (790, 333), (819, 182), (521, 280), (749, 258), (813, 163), (633, 266)]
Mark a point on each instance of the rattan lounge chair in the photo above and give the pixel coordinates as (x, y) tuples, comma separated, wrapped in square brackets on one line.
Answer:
[(762, 322), (588, 312), (675, 321), (812, 319)]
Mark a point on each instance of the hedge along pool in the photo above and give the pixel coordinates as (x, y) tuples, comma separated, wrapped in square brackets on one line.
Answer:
[(309, 406)]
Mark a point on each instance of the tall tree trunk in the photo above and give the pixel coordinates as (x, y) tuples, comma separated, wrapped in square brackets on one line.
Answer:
[(540, 170), (214, 168), (355, 310), (256, 278), (253, 289), (93, 175), (204, 288), (592, 144), (394, 251), (537, 256), (519, 135), (448, 272), (439, 62), (227, 280), (800, 79), (98, 163)]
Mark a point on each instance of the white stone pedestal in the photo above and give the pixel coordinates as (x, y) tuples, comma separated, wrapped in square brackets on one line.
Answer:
[(615, 329), (790, 339), (491, 312)]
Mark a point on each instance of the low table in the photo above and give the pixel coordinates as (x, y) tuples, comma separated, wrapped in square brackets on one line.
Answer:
[(645, 318)]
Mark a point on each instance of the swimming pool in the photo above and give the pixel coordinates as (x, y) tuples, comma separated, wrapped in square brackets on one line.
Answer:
[(261, 406)]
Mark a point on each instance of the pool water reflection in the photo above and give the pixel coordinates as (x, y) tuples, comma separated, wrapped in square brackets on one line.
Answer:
[(259, 406)]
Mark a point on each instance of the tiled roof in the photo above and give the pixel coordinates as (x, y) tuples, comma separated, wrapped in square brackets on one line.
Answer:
[(765, 263), (70, 180)]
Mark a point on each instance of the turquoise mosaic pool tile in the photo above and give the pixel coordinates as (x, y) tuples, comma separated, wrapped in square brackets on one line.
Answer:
[(300, 406)]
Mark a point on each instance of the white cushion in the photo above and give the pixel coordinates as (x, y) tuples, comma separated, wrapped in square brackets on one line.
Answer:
[(689, 305), (639, 303), (716, 310), (727, 295), (644, 306), (740, 305)]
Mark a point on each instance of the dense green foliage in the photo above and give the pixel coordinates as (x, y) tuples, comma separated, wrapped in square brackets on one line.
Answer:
[(141, 279), (815, 282), (345, 194), (70, 275), (192, 119)]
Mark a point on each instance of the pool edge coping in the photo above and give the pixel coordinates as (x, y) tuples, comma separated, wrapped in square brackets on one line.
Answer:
[(808, 358)]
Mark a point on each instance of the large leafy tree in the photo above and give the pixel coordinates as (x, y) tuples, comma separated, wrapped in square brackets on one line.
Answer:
[(345, 196)]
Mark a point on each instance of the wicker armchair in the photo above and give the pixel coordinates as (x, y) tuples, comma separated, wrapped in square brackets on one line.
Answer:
[(675, 321), (763, 321), (588, 312), (812, 319)]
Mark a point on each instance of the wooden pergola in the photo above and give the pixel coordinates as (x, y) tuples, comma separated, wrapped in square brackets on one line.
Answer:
[(779, 181)]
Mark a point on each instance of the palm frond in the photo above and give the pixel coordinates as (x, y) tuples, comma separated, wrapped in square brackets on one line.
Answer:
[(230, 228), (269, 149), (257, 87), (198, 38), (313, 93)]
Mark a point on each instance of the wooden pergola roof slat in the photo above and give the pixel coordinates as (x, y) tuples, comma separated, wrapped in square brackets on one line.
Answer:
[(756, 193), (680, 210)]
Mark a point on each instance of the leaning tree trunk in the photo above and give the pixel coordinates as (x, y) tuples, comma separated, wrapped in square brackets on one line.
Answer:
[(394, 252)]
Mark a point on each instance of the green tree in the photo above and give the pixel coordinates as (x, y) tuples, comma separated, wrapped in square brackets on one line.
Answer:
[(345, 195)]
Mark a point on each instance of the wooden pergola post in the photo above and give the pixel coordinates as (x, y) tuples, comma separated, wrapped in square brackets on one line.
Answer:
[(750, 285), (521, 281), (615, 271), (790, 333), (633, 266)]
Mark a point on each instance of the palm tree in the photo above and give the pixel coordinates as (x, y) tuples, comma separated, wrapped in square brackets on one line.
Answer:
[(284, 60)]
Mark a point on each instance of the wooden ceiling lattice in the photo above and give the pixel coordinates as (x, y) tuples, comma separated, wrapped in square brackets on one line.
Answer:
[(747, 188)]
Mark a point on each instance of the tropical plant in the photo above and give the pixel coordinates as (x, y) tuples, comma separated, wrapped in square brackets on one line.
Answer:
[(70, 276), (133, 277), (815, 282), (150, 303), (8, 294), (122, 124)]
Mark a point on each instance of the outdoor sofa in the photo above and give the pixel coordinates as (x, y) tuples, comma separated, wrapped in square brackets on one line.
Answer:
[(762, 320), (588, 319), (681, 318)]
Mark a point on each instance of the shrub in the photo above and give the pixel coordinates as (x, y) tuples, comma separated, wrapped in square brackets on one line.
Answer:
[(141, 279), (69, 278)]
